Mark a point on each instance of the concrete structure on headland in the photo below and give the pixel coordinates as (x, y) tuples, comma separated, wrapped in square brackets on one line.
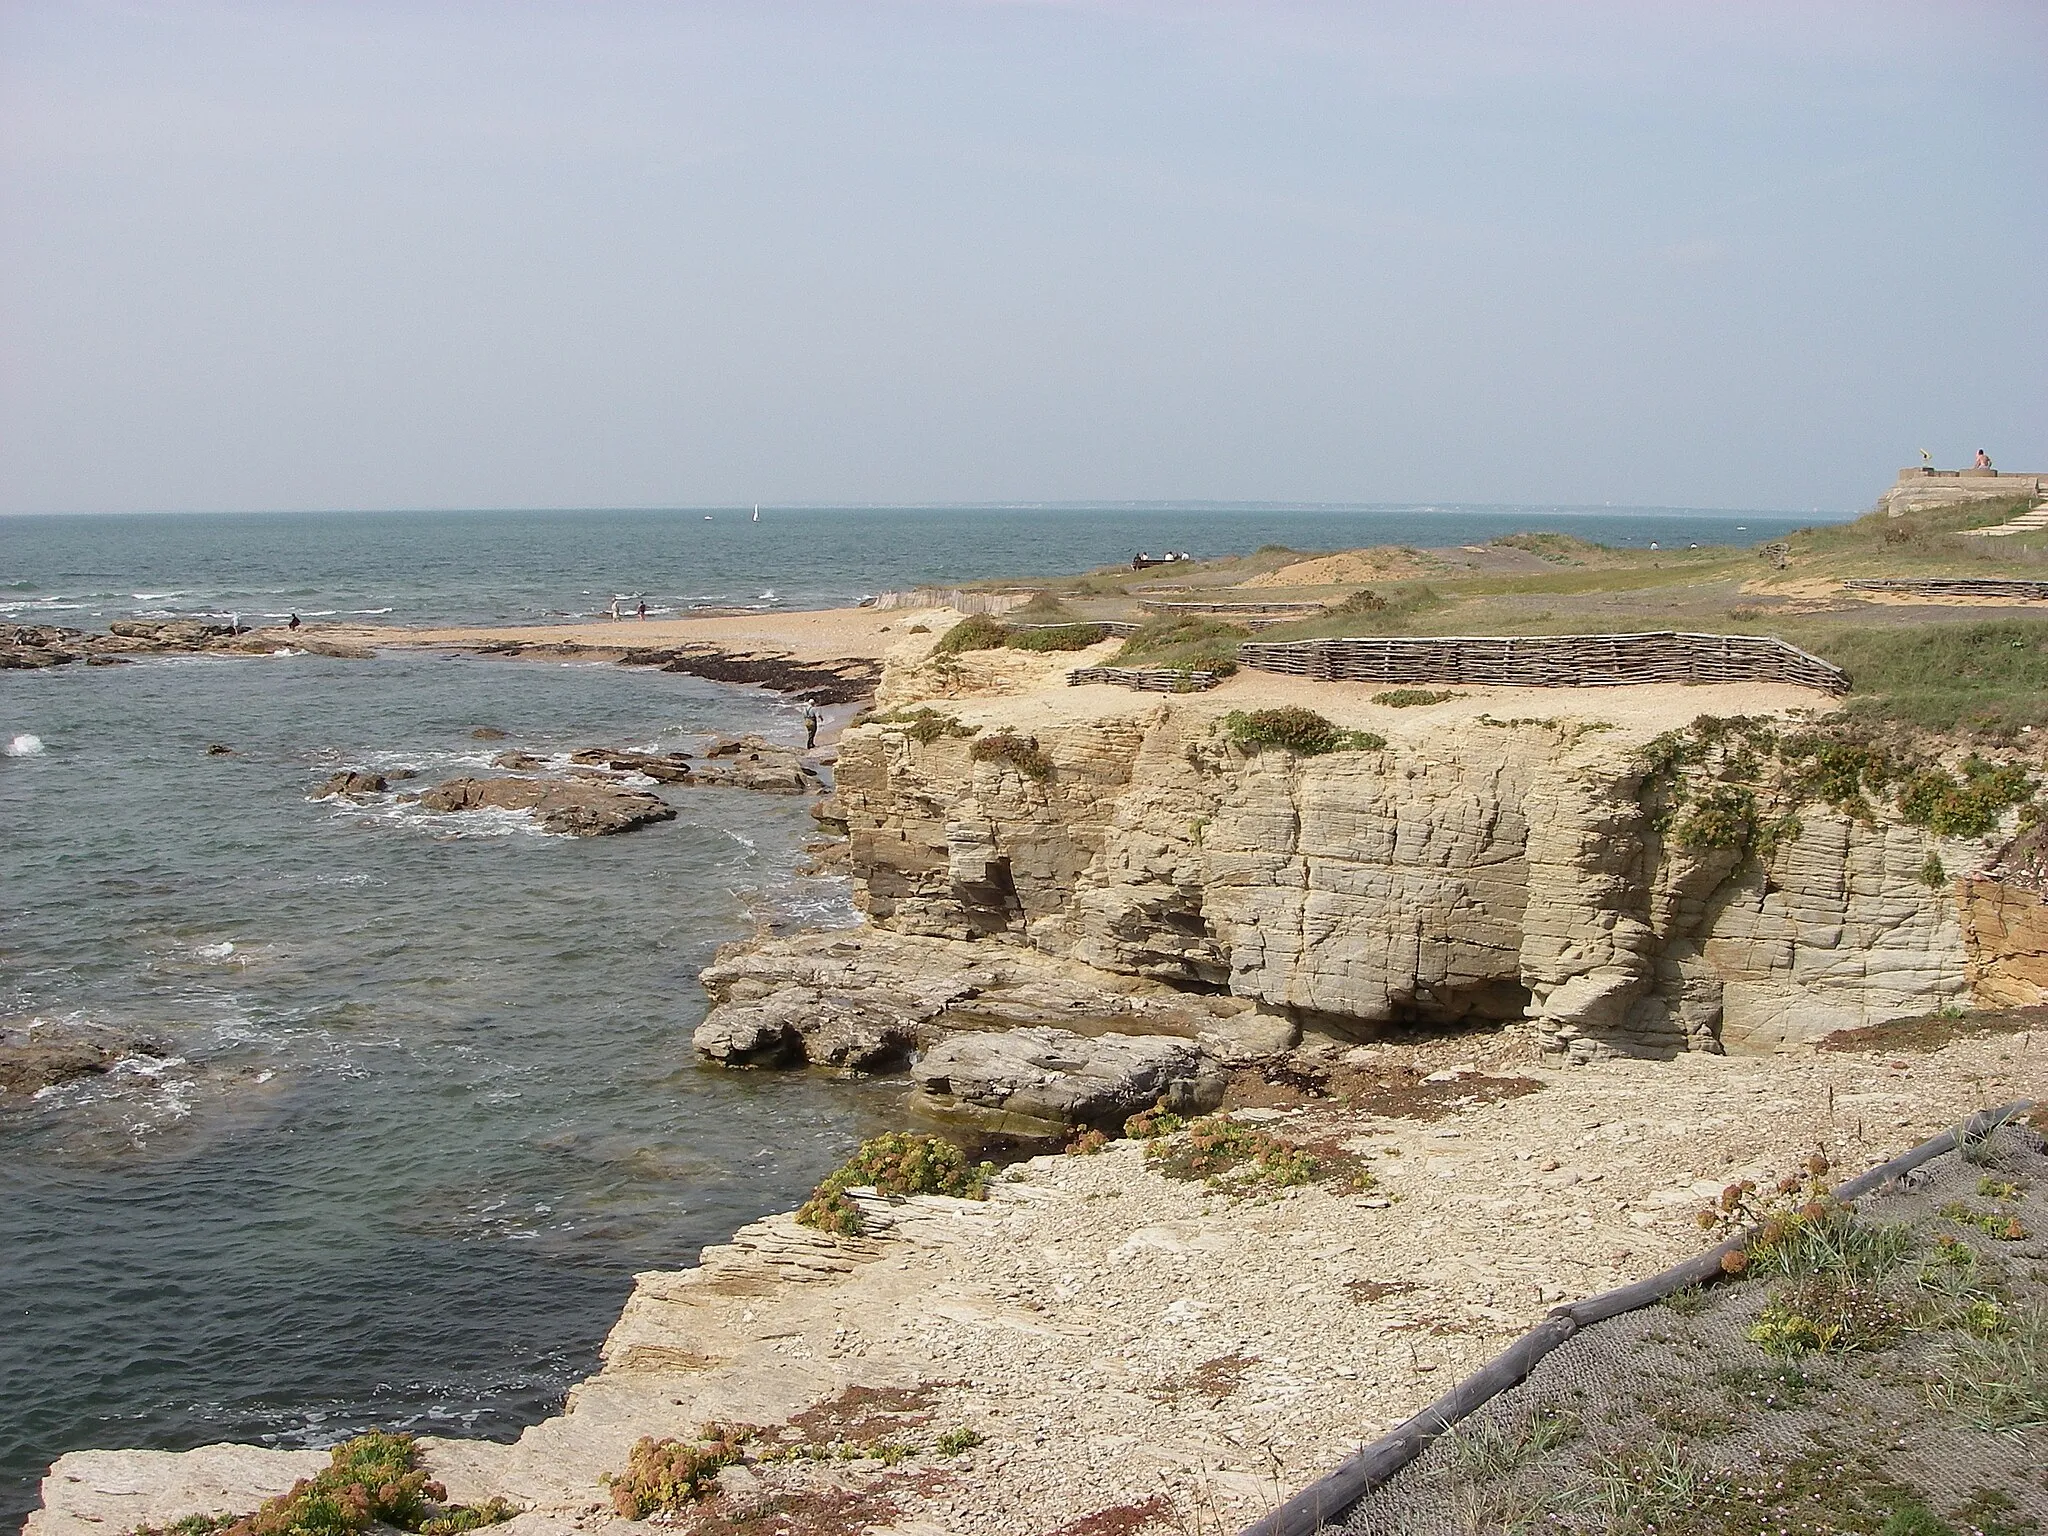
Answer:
[(1923, 487)]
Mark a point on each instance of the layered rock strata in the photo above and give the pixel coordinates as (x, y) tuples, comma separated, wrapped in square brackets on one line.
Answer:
[(1517, 873)]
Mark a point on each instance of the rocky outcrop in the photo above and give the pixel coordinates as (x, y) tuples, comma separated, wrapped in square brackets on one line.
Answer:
[(1520, 875), (865, 999), (1036, 1082), (27, 646), (576, 808), (750, 762), (39, 1056), (351, 784)]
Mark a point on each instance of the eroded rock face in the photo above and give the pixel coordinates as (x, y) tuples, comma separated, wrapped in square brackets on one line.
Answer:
[(577, 808), (1508, 875), (865, 999), (1045, 1082)]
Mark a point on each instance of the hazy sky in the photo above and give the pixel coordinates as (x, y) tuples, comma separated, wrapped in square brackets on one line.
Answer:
[(424, 254)]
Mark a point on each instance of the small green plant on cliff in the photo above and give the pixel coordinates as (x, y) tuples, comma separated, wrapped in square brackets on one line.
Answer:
[(663, 1476), (1933, 873), (1021, 752), (372, 1480), (1150, 1124), (894, 1163), (1231, 1156), (1965, 805), (978, 632), (1294, 729), (925, 724), (1723, 816), (1409, 698)]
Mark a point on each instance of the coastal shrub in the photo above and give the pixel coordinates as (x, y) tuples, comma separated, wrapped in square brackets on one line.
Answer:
[(1364, 600), (1409, 698), (925, 724), (1223, 1152), (666, 1475), (1061, 637), (895, 1163), (1149, 1124), (1294, 729), (1830, 1314), (978, 632), (1021, 752), (957, 1442), (1185, 642), (372, 1480), (1724, 816), (1965, 805)]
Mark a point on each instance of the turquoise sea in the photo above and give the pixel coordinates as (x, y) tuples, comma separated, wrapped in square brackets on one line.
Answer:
[(429, 1099)]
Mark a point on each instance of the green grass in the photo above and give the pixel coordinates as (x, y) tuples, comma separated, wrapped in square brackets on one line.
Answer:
[(1986, 675), (1021, 752), (1187, 642)]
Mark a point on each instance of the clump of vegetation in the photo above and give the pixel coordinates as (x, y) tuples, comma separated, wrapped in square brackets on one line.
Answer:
[(1045, 607), (1557, 548), (374, 1479), (1968, 805), (1021, 752), (1409, 698), (1185, 642), (1294, 729), (1999, 1224), (1830, 1313), (956, 1442), (1060, 637), (666, 1475), (1999, 1382), (1087, 1144), (1151, 1124), (1364, 600), (895, 1163), (1229, 1155), (977, 632), (925, 724)]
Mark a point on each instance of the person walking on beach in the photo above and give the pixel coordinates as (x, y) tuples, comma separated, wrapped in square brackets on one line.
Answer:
[(810, 726), (641, 611), (615, 610)]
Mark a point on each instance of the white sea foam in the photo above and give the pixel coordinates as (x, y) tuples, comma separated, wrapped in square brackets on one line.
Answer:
[(366, 612), (220, 951), (27, 744)]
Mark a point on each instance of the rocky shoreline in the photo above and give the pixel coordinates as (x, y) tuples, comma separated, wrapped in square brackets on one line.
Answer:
[(1475, 967)]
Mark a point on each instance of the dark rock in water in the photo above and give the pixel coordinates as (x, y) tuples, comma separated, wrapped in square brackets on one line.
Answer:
[(1041, 1082), (488, 733), (171, 634), (664, 768), (350, 783), (832, 682), (517, 762), (219, 749), (577, 808), (36, 1057)]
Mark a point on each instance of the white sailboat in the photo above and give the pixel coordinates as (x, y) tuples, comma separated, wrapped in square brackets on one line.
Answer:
[(757, 511)]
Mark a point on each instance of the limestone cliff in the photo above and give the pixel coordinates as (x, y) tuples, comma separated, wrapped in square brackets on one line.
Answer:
[(1470, 870)]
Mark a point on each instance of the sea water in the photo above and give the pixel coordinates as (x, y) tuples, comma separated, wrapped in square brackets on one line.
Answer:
[(428, 1098)]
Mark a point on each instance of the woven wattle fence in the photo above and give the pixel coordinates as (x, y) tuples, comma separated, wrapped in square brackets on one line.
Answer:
[(1150, 679), (1956, 586), (1548, 661), (1232, 610)]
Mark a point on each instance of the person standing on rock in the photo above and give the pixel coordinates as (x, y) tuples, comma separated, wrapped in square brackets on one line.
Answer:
[(810, 726)]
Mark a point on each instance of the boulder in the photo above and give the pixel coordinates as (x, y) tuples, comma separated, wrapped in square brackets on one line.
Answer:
[(171, 634), (1045, 1082), (863, 999), (578, 809), (350, 784), (516, 762), (663, 768)]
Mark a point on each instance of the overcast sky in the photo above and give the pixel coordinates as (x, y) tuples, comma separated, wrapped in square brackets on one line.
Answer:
[(305, 255)]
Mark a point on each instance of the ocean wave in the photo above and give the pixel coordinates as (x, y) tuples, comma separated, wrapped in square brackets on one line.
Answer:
[(27, 744)]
